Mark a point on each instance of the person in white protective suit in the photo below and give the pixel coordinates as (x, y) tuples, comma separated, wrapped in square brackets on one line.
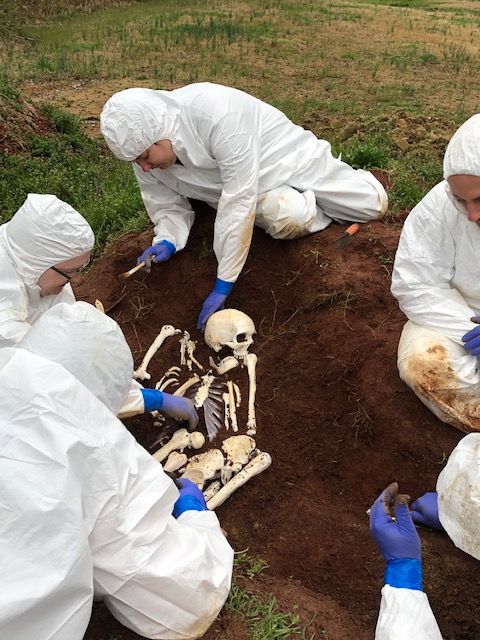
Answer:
[(436, 279), (43, 248), (244, 158), (405, 612), (86, 511)]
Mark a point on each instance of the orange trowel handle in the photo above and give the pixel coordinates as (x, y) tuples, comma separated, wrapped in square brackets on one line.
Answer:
[(352, 229)]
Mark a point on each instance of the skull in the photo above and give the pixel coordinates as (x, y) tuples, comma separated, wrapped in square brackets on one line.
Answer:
[(230, 328)]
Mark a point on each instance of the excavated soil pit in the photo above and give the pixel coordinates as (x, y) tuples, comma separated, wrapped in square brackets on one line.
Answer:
[(331, 410)]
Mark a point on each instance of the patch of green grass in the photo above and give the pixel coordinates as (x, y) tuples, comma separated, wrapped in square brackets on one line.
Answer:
[(262, 617), (77, 170)]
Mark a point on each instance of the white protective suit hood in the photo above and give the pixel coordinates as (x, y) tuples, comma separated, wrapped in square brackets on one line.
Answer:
[(44, 232), (458, 488), (89, 345), (134, 119), (462, 156)]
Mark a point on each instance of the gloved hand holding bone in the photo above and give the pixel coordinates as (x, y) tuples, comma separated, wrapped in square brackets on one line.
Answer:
[(398, 539), (160, 252)]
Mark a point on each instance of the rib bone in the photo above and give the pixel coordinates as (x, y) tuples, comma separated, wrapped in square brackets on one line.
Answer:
[(261, 462), (166, 331), (186, 385), (251, 362), (180, 440)]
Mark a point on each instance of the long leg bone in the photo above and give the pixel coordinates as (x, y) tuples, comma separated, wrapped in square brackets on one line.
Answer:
[(166, 331), (212, 489), (261, 462), (180, 440), (251, 362)]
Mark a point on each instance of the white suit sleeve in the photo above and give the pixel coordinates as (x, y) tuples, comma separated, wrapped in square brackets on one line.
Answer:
[(424, 268), (13, 307), (133, 404), (235, 147), (161, 577), (405, 614), (170, 212)]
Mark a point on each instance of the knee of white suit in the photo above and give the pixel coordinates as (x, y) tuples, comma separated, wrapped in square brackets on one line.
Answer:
[(427, 357), (285, 213)]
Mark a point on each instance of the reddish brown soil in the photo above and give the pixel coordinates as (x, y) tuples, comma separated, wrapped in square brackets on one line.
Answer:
[(331, 409)]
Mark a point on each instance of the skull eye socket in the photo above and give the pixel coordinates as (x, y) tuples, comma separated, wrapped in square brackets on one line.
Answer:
[(241, 337)]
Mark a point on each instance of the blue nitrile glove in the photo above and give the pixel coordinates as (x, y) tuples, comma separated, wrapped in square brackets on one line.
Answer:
[(399, 542), (191, 498), (160, 252), (425, 511), (214, 301), (176, 407), (472, 339)]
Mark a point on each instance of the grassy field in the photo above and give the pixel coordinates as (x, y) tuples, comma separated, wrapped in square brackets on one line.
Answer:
[(385, 82)]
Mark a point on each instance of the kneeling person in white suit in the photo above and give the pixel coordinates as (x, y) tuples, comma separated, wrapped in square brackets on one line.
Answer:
[(241, 156), (86, 510), (43, 248), (436, 279)]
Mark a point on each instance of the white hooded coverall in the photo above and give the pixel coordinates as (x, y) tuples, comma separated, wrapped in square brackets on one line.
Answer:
[(85, 509), (405, 614), (436, 280), (241, 156), (43, 232)]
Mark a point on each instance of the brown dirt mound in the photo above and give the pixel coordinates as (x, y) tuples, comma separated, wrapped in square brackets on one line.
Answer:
[(19, 119), (331, 410)]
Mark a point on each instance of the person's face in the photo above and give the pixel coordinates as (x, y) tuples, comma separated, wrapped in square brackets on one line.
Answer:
[(159, 156), (466, 191), (52, 281)]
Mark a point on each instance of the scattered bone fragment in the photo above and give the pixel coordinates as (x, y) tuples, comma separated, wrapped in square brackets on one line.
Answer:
[(231, 328), (186, 385), (99, 306), (261, 462), (239, 450), (175, 461), (209, 463), (173, 372), (166, 331), (251, 362), (228, 363), (212, 489), (231, 405), (180, 440)]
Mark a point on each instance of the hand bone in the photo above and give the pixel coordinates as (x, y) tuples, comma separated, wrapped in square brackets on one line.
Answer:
[(261, 462), (166, 331), (180, 440)]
